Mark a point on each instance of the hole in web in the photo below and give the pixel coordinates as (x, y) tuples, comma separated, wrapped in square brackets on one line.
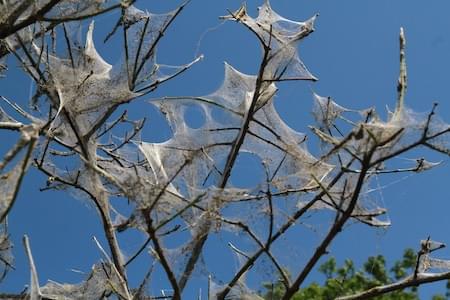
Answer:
[(248, 171), (194, 116), (158, 121)]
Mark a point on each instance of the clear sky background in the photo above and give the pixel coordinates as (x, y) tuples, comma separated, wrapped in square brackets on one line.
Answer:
[(353, 52)]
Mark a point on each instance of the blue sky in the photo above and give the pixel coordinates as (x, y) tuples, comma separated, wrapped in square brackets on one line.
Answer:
[(353, 52)]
